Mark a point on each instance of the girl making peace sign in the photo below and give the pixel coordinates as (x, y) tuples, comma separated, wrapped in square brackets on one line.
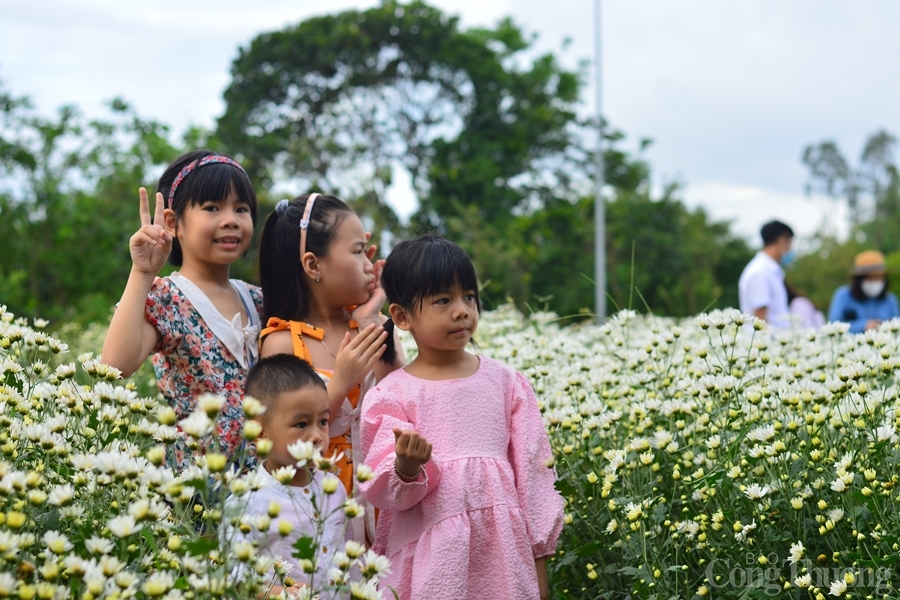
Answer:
[(200, 325)]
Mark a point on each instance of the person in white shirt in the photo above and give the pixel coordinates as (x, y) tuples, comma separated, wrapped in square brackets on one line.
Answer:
[(305, 502), (761, 287)]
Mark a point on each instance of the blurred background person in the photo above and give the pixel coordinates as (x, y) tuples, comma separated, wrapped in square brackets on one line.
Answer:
[(804, 312), (761, 290), (866, 302)]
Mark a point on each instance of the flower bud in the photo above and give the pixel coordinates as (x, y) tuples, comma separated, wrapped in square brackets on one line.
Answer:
[(285, 528), (263, 447), (216, 462), (252, 429), (330, 485)]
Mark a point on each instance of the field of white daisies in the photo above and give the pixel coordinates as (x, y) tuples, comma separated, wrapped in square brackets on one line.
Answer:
[(89, 511), (699, 458)]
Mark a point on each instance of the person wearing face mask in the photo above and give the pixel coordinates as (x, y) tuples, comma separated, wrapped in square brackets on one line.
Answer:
[(761, 289), (866, 302)]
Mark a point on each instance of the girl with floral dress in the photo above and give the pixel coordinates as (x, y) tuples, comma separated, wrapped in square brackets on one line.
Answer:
[(323, 299), (200, 325), (462, 464)]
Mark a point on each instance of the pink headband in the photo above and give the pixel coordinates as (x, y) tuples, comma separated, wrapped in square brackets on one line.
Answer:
[(206, 160), (304, 222)]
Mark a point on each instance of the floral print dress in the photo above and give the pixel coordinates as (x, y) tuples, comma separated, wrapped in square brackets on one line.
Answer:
[(202, 352)]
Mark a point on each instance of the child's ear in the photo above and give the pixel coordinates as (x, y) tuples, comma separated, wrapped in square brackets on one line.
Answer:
[(170, 222), (310, 263), (400, 316)]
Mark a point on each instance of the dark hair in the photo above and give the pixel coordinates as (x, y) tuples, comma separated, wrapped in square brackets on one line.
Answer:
[(420, 268), (277, 374), (793, 293), (856, 288), (212, 182), (281, 276), (773, 231)]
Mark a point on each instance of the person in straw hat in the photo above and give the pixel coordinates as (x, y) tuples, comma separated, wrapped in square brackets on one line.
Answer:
[(866, 302)]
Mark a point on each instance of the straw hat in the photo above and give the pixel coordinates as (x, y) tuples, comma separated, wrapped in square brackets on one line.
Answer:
[(870, 262)]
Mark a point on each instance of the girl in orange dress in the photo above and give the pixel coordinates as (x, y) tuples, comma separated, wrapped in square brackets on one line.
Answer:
[(322, 299)]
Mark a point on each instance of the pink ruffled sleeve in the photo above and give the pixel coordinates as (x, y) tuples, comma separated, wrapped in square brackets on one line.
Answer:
[(380, 414), (529, 455)]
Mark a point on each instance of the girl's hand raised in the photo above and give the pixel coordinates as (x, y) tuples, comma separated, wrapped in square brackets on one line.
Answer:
[(358, 356), (370, 311), (412, 452), (151, 245)]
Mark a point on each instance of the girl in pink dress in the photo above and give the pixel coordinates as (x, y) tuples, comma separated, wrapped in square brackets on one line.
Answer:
[(461, 459)]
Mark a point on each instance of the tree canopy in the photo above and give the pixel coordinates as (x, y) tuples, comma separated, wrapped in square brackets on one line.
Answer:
[(871, 189), (67, 204), (487, 129), (340, 101)]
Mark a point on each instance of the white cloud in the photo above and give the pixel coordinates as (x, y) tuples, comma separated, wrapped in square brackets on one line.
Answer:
[(751, 206)]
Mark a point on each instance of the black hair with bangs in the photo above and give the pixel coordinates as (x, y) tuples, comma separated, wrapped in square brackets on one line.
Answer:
[(423, 267), (274, 375), (212, 182), (284, 283)]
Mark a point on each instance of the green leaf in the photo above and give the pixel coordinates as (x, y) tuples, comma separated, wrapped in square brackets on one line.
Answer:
[(564, 487), (305, 548), (201, 546)]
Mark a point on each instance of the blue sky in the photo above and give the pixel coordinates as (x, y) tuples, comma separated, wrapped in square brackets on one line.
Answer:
[(731, 92)]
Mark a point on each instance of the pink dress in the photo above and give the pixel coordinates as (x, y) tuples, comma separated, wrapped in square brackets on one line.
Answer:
[(485, 508)]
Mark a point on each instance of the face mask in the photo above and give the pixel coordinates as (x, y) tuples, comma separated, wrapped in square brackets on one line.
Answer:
[(787, 258), (872, 289)]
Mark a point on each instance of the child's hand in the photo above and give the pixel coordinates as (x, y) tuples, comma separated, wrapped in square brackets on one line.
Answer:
[(356, 357), (151, 245), (412, 451), (370, 311)]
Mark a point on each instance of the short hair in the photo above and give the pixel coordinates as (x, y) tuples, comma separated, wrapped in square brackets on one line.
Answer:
[(280, 373), (422, 267), (213, 182), (427, 265), (773, 231)]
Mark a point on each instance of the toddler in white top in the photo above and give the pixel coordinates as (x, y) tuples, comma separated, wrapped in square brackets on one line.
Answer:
[(296, 502)]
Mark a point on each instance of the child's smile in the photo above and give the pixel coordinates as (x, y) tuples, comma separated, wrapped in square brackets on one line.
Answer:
[(218, 231)]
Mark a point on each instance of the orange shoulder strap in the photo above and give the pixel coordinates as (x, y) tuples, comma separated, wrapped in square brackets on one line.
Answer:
[(298, 329)]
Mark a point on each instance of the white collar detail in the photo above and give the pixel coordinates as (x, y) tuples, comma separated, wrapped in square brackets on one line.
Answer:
[(240, 340)]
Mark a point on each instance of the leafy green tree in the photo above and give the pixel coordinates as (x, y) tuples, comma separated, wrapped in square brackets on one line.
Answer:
[(871, 188), (337, 102), (661, 256), (67, 209), (490, 137)]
